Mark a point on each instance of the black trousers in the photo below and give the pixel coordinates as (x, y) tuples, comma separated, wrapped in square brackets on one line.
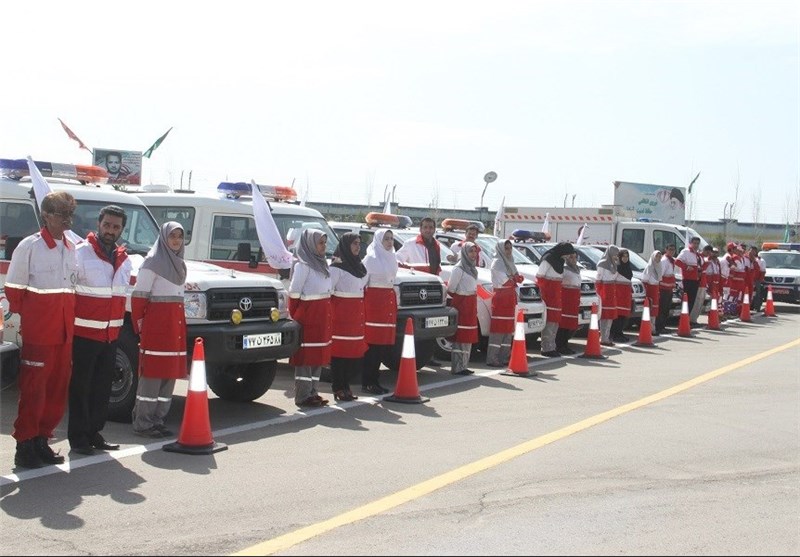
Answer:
[(89, 389), (664, 305), (341, 371), (690, 287), (376, 353)]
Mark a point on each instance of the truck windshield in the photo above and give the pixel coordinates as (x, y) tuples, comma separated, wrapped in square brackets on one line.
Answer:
[(292, 226)]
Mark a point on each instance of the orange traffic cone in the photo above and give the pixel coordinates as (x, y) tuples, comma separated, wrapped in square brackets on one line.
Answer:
[(195, 434), (593, 349), (684, 327), (518, 364), (407, 389), (744, 315), (713, 316), (645, 329), (769, 310)]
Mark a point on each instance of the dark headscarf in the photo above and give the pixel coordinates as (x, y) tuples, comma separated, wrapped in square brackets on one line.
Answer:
[(307, 251), (555, 255), (607, 261), (346, 260), (162, 260), (624, 267)]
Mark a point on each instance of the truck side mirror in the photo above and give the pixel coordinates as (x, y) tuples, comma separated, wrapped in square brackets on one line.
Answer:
[(243, 251)]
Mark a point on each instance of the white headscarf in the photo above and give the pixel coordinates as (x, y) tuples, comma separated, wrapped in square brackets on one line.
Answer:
[(502, 263), (162, 260), (467, 264), (307, 251), (652, 271), (381, 263)]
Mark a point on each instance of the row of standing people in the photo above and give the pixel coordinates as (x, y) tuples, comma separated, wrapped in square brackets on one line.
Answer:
[(68, 357)]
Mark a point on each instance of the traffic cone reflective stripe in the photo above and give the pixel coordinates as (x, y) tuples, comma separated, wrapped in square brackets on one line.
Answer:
[(195, 433), (593, 349), (518, 364), (744, 315), (407, 389), (713, 316), (645, 329), (684, 327), (769, 310)]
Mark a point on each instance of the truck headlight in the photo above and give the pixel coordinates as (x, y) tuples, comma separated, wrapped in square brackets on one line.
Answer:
[(283, 303), (194, 305)]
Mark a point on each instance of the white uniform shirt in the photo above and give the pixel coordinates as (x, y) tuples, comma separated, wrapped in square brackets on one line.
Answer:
[(307, 284), (347, 285), (462, 283)]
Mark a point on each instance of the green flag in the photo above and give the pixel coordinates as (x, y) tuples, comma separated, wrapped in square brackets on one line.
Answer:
[(787, 234), (155, 145), (693, 181)]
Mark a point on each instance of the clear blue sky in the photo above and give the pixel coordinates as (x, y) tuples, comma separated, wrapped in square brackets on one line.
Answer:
[(558, 97)]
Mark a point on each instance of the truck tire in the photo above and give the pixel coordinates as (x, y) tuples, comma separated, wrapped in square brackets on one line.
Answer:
[(126, 377), (242, 382), (423, 349)]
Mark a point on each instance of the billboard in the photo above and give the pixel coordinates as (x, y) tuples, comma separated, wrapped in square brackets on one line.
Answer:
[(124, 167), (662, 203)]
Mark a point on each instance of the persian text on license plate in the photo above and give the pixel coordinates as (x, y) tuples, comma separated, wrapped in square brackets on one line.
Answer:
[(781, 290), (535, 323), (261, 341), (433, 322)]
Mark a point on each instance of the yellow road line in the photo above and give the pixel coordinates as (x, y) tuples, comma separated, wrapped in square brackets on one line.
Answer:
[(429, 486)]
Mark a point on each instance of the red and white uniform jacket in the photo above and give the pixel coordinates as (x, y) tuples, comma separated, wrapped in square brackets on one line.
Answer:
[(606, 285), (414, 253), (40, 286), (310, 305), (347, 309), (549, 282), (380, 306), (570, 299), (762, 266), (463, 289), (157, 314), (667, 274), (504, 302), (101, 289), (710, 278), (690, 263), (736, 275), (623, 291), (482, 261), (748, 275)]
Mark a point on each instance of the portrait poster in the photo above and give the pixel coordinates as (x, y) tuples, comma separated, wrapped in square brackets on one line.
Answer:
[(123, 167), (659, 203)]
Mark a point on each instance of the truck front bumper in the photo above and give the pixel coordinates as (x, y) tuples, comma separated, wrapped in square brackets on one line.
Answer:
[(224, 342)]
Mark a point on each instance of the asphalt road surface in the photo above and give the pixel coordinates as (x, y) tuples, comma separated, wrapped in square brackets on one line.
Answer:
[(691, 447)]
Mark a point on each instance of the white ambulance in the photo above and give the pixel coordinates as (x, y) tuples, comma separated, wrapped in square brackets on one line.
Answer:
[(242, 317)]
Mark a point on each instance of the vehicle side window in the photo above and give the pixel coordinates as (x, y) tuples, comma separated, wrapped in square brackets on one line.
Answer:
[(183, 215), (17, 220), (230, 231), (633, 240), (663, 237)]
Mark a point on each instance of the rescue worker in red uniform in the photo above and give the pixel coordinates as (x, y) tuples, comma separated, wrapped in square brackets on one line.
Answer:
[(463, 290), (348, 278), (40, 286), (548, 278), (606, 285), (380, 305), (706, 283), (651, 277), (759, 272), (570, 304), (666, 288), (157, 314), (736, 280), (423, 252), (470, 235), (690, 263), (104, 272), (505, 278), (623, 292), (310, 305)]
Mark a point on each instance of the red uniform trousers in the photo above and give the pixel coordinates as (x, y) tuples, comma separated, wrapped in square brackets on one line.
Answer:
[(45, 371), (608, 299), (467, 307), (570, 305), (504, 305), (653, 293), (624, 296)]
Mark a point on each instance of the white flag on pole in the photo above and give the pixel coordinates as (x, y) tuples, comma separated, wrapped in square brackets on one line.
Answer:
[(40, 189), (581, 235), (498, 218), (546, 224), (268, 235)]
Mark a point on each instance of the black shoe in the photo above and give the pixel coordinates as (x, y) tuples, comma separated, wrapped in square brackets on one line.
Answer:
[(102, 445), (620, 338), (433, 362), (83, 449), (609, 343), (164, 430), (463, 372), (46, 454), (566, 351), (552, 354), (374, 389), (27, 456)]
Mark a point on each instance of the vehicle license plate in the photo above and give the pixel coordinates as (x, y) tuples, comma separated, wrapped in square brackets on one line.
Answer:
[(586, 314), (433, 322), (535, 323), (261, 341), (781, 290)]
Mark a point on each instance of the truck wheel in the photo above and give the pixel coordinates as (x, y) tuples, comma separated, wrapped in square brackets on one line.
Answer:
[(126, 377), (242, 382), (443, 348), (423, 349)]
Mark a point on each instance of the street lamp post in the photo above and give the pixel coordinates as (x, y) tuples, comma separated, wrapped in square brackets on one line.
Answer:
[(488, 178)]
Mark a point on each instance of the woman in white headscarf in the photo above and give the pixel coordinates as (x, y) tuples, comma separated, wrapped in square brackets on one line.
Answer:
[(310, 305), (505, 278), (463, 290), (605, 284), (651, 277), (570, 304), (157, 314), (380, 304)]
